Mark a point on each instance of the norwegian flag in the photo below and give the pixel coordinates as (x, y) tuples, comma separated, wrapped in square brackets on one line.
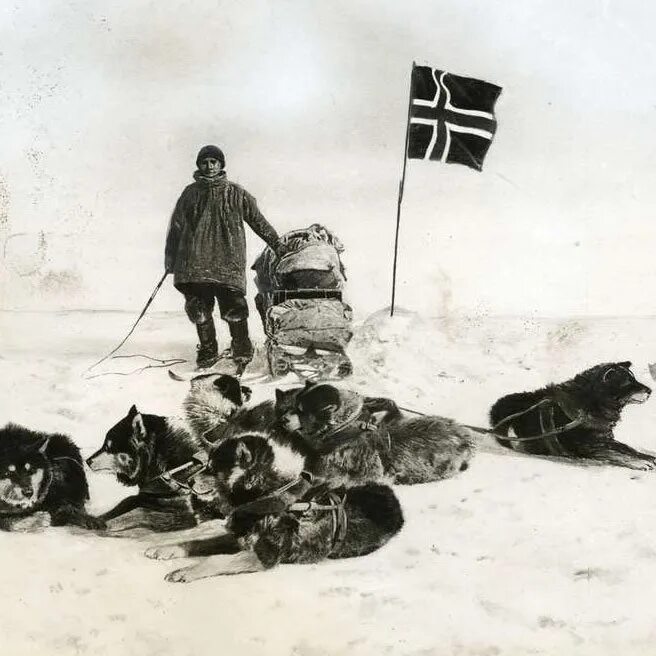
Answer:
[(451, 117)]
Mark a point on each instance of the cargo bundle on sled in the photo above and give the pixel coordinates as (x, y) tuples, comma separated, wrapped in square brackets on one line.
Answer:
[(306, 322)]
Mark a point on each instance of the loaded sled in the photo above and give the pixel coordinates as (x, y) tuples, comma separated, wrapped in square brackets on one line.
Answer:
[(306, 322)]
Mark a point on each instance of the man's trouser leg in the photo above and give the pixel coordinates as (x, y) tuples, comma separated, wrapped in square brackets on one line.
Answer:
[(234, 311), (199, 303)]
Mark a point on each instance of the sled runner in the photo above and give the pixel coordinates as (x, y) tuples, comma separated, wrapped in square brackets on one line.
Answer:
[(187, 372), (224, 365), (306, 323)]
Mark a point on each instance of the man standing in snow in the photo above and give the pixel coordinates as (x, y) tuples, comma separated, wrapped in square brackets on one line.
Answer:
[(206, 252)]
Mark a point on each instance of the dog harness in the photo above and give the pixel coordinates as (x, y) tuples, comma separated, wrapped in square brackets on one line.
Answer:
[(338, 435), (547, 429), (199, 460), (333, 503)]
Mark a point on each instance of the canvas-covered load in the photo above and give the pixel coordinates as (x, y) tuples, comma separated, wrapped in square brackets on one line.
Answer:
[(311, 261), (310, 322)]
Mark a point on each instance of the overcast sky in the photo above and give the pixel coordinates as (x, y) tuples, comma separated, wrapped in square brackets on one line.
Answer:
[(103, 107)]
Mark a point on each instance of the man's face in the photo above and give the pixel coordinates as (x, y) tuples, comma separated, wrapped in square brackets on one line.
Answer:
[(210, 166)]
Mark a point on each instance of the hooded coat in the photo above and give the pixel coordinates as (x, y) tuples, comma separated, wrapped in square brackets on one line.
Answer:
[(206, 241)]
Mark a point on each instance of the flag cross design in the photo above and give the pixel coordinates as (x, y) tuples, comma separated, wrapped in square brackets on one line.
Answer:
[(451, 117)]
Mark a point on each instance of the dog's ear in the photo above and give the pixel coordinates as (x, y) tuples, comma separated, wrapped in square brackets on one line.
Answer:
[(229, 388), (246, 393), (327, 413), (280, 395), (627, 364), (243, 456), (42, 446), (132, 412), (376, 418), (139, 427), (309, 384)]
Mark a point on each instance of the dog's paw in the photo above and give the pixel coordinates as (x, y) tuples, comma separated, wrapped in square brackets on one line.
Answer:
[(184, 575), (33, 522), (646, 464), (166, 552), (94, 523)]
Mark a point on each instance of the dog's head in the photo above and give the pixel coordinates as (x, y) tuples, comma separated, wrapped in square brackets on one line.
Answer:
[(226, 386), (286, 415), (212, 399), (615, 383), (25, 470), (126, 449), (317, 408), (243, 468)]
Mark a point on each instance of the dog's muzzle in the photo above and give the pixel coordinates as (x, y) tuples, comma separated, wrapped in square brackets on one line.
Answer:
[(102, 461), (641, 396), (290, 421)]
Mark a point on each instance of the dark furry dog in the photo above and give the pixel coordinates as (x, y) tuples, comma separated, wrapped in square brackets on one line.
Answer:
[(352, 439), (42, 481), (423, 449), (596, 397), (139, 450), (325, 523)]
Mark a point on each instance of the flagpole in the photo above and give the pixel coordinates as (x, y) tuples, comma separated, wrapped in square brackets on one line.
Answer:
[(400, 199)]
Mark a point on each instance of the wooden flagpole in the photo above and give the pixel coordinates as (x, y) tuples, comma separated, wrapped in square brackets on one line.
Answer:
[(400, 199)]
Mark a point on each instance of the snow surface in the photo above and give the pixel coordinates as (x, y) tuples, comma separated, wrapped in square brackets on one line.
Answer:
[(515, 556)]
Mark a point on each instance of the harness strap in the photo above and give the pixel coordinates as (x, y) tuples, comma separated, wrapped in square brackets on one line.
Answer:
[(167, 475), (307, 506), (305, 477), (331, 438), (521, 413), (552, 444), (340, 521), (339, 517), (350, 419), (575, 423), (286, 487), (578, 419)]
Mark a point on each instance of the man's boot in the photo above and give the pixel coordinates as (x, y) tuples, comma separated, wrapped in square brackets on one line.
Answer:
[(242, 347), (208, 348)]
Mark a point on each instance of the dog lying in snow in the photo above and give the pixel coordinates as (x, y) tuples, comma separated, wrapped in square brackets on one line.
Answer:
[(592, 402), (42, 481), (139, 450), (310, 524), (352, 439)]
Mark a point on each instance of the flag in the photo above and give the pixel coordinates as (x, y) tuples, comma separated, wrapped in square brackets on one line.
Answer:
[(451, 117)]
